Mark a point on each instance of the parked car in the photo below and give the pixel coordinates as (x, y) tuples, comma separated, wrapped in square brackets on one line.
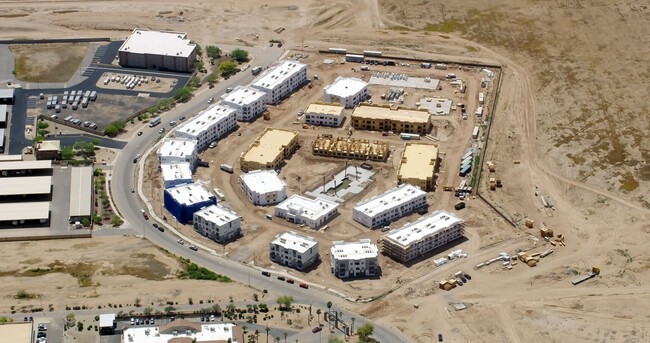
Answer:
[(144, 214), (194, 248), (267, 274), (304, 285), (162, 130), (212, 145), (42, 327), (467, 276), (290, 281), (211, 100), (180, 241), (229, 89), (181, 118), (172, 123), (281, 278), (316, 329), (140, 133), (459, 206), (439, 337)]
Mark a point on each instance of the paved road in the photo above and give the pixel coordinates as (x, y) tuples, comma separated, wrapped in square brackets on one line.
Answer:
[(70, 139), (128, 204)]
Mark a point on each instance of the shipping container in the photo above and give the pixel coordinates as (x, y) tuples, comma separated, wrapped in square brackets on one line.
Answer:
[(475, 132), (227, 168), (479, 111), (465, 170), (411, 136), (481, 98), (469, 153), (354, 58), (372, 53), (338, 51)]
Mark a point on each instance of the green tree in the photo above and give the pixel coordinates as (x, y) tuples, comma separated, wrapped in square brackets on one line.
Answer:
[(111, 130), (147, 311), (86, 148), (210, 78), (198, 65), (239, 54), (183, 94), (67, 153), (5, 319), (365, 331), (166, 104), (21, 294), (116, 221), (85, 222), (42, 124), (318, 312), (195, 82), (199, 50), (169, 309), (285, 302), (227, 67), (213, 51), (216, 308), (119, 125)]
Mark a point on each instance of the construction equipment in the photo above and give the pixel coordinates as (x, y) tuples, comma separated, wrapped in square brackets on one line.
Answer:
[(582, 278), (493, 184), (491, 167)]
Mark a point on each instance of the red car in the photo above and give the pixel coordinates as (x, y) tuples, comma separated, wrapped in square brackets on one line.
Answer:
[(304, 285), (290, 281), (316, 329), (144, 214)]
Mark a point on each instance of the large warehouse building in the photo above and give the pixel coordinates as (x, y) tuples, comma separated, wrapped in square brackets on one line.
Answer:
[(418, 165), (422, 236), (161, 50), (385, 118), (269, 150)]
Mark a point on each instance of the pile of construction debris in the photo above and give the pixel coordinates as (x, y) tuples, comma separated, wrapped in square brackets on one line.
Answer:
[(457, 279)]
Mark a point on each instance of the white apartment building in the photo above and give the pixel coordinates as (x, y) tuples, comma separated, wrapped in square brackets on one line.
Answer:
[(324, 114), (176, 174), (354, 259), (177, 150), (422, 236), (209, 126), (263, 187), (295, 251), (348, 91), (281, 80), (217, 223), (389, 206), (249, 102), (312, 212)]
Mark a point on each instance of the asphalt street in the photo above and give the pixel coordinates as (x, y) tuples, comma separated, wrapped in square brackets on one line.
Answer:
[(128, 204)]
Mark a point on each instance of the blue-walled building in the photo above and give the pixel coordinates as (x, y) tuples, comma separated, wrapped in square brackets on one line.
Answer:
[(183, 200)]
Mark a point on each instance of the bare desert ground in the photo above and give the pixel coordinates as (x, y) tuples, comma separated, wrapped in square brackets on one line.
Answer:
[(572, 112)]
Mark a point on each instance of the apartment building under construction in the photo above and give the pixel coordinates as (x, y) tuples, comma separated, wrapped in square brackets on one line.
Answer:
[(386, 118), (343, 147)]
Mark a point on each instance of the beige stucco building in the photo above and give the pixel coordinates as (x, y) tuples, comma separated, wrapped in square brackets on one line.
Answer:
[(269, 150), (418, 165), (385, 118)]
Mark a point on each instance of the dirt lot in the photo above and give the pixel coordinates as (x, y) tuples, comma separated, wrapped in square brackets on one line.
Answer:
[(90, 278), (47, 62), (572, 111)]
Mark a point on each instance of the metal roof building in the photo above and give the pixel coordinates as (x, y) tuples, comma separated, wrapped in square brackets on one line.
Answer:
[(22, 167), (163, 50), (28, 185), (281, 80), (389, 206), (81, 192), (7, 96), (24, 211)]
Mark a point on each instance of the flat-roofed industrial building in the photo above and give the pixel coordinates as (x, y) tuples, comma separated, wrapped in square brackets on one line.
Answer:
[(269, 150), (81, 193), (324, 114), (17, 332), (354, 259), (217, 223), (25, 188), (389, 206), (26, 168), (7, 96), (418, 164), (350, 148), (385, 118), (281, 80), (161, 50), (209, 125), (347, 91), (4, 113), (249, 102), (293, 250), (263, 187), (311, 212), (422, 236)]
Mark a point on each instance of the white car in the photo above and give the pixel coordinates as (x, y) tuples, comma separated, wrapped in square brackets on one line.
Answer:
[(211, 100), (212, 145), (180, 241)]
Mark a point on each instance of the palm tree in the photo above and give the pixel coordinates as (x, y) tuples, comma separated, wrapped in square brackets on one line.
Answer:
[(329, 312), (257, 336), (318, 312), (243, 328), (267, 333), (285, 337), (277, 339)]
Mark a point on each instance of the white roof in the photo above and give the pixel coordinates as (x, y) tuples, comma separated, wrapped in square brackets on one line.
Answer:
[(278, 74), (308, 208), (106, 320), (390, 199), (177, 147), (422, 228), (5, 158), (26, 165), (345, 86), (3, 113), (81, 191), (24, 210), (217, 214), (357, 250), (208, 333), (214, 114), (190, 193), (243, 96), (168, 43), (25, 185), (293, 241), (176, 171), (263, 181), (6, 93)]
